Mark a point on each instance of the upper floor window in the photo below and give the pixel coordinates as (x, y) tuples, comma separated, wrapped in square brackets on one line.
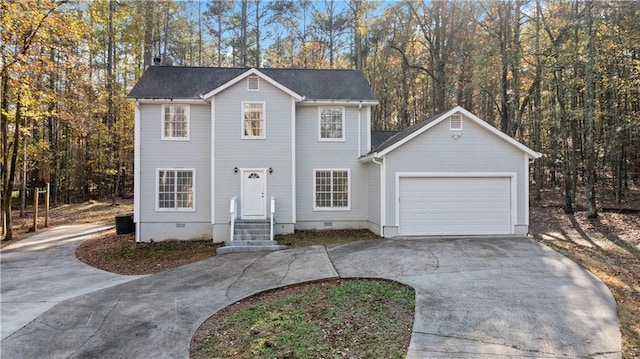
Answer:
[(331, 124), (175, 122), (253, 83), (253, 120), (176, 189)]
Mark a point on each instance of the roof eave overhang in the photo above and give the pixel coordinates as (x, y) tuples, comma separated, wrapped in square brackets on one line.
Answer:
[(190, 101), (250, 72), (329, 102)]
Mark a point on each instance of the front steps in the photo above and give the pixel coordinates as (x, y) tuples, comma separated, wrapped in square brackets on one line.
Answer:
[(250, 236)]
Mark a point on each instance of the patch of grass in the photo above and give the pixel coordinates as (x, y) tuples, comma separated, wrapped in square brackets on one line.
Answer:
[(325, 237), (352, 318)]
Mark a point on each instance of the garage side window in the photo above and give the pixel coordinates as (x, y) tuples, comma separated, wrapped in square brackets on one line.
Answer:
[(176, 189), (332, 189), (331, 124), (175, 122)]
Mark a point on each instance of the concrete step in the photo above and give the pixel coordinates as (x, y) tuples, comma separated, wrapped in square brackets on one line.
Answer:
[(243, 237), (252, 231), (249, 249), (250, 242)]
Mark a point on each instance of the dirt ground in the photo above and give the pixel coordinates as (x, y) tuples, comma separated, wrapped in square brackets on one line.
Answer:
[(608, 246), (87, 212)]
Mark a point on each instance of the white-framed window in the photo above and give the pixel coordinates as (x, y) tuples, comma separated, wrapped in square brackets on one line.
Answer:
[(332, 189), (175, 122), (253, 120), (253, 83), (176, 189), (331, 124), (455, 123)]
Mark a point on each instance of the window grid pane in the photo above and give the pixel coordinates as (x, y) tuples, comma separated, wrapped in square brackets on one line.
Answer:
[(176, 123), (331, 123), (175, 189), (184, 189), (253, 120), (332, 189), (166, 197)]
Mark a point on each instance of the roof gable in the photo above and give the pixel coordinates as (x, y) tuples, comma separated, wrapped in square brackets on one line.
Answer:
[(415, 130), (247, 74), (176, 82)]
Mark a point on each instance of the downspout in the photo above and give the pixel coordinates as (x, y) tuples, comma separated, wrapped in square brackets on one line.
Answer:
[(136, 170), (383, 216), (359, 130)]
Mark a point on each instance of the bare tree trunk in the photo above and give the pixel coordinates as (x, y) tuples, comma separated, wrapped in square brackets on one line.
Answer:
[(537, 105), (258, 50), (4, 173), (10, 176), (566, 133), (243, 34), (148, 33), (589, 121)]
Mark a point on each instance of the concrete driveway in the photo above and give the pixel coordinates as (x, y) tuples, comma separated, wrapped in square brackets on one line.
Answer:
[(475, 298)]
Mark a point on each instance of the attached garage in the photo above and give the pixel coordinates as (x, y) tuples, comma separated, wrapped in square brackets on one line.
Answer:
[(434, 205), (453, 174)]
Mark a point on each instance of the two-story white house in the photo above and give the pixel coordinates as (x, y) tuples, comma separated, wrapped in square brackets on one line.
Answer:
[(215, 147)]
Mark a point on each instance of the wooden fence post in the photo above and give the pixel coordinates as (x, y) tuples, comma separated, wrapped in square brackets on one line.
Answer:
[(36, 194)]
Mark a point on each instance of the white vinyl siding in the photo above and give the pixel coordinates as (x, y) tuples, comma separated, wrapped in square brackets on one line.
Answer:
[(175, 189), (331, 124), (175, 122), (274, 151), (253, 120), (332, 189)]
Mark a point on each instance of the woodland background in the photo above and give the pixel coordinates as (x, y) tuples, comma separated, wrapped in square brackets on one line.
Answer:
[(562, 77)]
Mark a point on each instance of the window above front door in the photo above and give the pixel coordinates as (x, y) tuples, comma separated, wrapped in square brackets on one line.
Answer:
[(253, 120)]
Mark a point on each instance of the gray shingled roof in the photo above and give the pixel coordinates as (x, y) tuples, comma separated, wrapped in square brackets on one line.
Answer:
[(191, 82), (404, 133), (378, 137)]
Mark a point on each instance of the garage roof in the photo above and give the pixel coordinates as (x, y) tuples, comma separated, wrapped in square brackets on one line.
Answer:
[(411, 132)]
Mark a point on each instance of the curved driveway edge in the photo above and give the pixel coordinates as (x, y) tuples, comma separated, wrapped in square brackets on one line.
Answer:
[(41, 271), (480, 297)]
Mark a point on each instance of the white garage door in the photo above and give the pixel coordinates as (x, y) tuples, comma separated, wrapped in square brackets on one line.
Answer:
[(455, 205)]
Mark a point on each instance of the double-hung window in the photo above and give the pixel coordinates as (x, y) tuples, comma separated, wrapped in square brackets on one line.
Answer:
[(175, 122), (176, 189), (253, 120), (331, 124), (331, 189)]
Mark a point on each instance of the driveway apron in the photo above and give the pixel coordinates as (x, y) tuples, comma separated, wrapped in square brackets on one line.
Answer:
[(41, 271), (475, 298)]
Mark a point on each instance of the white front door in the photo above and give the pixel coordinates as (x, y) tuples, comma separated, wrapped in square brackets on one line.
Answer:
[(254, 196)]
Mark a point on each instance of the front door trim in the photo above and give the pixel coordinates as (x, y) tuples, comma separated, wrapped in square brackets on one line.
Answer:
[(250, 208)]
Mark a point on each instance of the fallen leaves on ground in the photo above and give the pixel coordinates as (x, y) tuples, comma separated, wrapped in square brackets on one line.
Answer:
[(608, 246)]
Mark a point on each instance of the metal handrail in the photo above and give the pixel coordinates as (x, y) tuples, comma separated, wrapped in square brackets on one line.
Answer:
[(233, 209), (273, 211)]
